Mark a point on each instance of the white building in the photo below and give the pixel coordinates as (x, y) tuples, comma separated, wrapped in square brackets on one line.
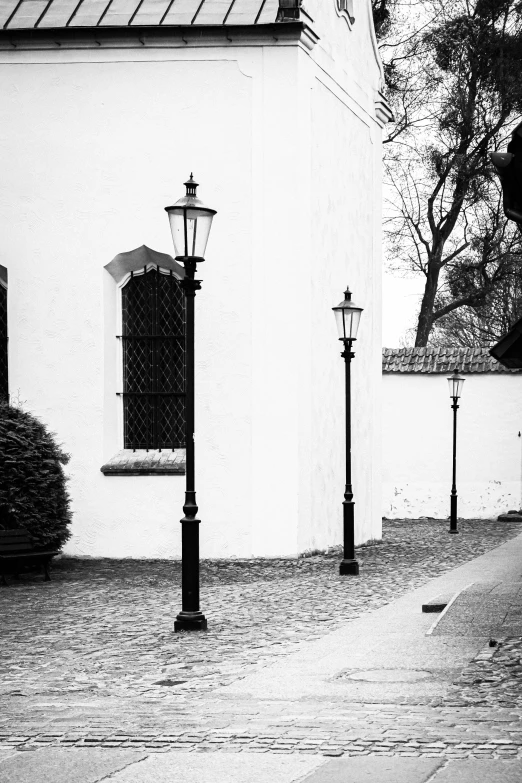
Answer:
[(106, 109), (418, 434)]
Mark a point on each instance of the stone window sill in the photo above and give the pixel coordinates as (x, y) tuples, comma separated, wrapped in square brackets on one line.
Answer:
[(146, 463)]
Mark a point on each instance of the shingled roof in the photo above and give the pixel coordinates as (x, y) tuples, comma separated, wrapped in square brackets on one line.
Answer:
[(440, 359), (53, 14)]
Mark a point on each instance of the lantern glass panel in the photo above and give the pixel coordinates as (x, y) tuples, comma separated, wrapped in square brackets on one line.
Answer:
[(455, 382), (193, 240), (347, 320)]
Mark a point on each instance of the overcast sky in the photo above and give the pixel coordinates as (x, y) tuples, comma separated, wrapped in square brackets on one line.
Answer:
[(400, 303)]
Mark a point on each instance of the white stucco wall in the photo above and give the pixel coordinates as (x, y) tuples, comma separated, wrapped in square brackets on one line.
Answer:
[(346, 250), (98, 141), (417, 445), (353, 47), (94, 151)]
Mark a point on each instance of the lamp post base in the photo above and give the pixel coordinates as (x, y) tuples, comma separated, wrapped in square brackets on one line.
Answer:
[(453, 528), (349, 568), (190, 621)]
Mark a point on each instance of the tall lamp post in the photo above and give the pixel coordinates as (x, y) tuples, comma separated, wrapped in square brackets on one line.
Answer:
[(456, 383), (347, 316), (190, 223)]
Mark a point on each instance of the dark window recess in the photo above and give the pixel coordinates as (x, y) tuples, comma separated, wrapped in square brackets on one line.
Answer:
[(153, 342), (4, 386)]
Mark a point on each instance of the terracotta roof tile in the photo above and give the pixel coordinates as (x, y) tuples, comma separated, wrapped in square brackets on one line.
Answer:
[(440, 359)]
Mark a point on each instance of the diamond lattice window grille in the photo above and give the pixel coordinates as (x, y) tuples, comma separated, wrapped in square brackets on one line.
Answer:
[(4, 386), (153, 338)]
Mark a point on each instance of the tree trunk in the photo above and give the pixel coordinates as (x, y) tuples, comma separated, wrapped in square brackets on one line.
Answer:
[(425, 322)]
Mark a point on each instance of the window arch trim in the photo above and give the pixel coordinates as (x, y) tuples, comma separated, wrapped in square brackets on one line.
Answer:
[(138, 259)]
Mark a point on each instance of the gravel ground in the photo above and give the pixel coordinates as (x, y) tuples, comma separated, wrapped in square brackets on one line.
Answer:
[(92, 653)]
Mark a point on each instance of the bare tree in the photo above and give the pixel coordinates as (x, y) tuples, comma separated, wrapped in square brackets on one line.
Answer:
[(488, 285), (483, 324), (459, 91)]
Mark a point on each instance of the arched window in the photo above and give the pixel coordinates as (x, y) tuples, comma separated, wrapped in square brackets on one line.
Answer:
[(153, 343), (4, 376)]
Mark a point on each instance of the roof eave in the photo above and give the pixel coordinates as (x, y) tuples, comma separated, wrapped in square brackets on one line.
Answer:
[(164, 35)]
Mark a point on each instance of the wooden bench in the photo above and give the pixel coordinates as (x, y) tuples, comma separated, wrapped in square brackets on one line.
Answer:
[(17, 551)]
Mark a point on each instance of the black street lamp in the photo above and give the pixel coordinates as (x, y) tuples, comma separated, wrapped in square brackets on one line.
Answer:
[(347, 316), (456, 383), (190, 223)]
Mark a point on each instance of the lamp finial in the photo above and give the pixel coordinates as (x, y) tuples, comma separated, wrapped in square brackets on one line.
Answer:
[(191, 186)]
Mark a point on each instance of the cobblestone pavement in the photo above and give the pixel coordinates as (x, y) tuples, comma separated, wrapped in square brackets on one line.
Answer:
[(493, 679), (91, 658)]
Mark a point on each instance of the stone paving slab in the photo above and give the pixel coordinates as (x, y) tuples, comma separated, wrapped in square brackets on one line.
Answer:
[(375, 770), (94, 765), (65, 766), (176, 767), (484, 609), (480, 771)]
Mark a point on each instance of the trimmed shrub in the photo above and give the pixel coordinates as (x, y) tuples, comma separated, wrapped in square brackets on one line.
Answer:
[(32, 482)]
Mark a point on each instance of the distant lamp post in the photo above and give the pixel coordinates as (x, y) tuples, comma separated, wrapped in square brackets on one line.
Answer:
[(347, 316), (456, 383), (190, 223)]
